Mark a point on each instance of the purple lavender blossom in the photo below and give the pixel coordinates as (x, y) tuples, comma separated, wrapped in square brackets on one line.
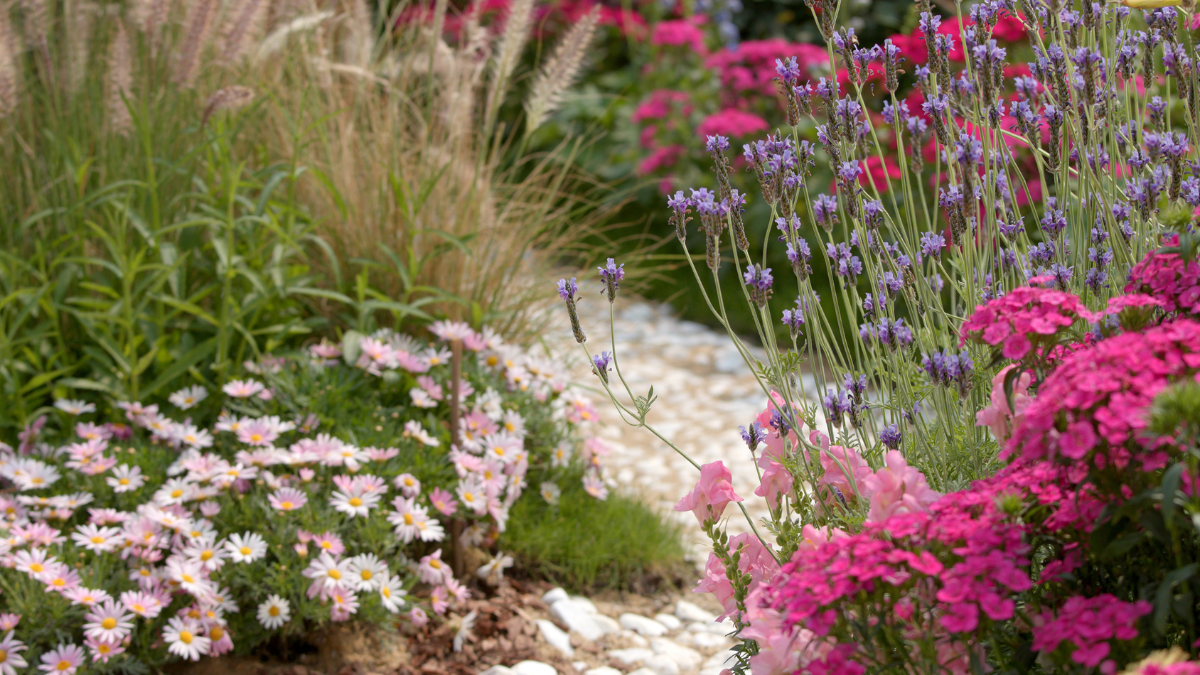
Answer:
[(612, 274), (932, 244), (825, 210), (788, 71), (758, 284), (890, 436), (753, 435), (567, 289), (600, 364), (716, 144)]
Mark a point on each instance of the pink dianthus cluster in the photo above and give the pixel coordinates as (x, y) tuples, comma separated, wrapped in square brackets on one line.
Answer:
[(1169, 278), (1090, 412), (1016, 320), (1087, 625)]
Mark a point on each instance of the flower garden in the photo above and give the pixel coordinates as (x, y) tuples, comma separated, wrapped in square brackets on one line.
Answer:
[(281, 362)]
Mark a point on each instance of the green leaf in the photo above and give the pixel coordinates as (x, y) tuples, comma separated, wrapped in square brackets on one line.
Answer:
[(181, 364), (350, 346), (1170, 487), (1162, 597)]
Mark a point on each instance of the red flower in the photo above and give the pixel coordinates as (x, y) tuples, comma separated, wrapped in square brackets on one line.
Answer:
[(679, 34), (912, 47), (1009, 29), (731, 122)]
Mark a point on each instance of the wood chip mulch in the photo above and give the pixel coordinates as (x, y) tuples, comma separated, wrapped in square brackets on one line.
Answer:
[(505, 633)]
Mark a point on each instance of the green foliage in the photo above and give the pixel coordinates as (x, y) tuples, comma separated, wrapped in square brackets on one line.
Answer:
[(123, 301), (587, 545)]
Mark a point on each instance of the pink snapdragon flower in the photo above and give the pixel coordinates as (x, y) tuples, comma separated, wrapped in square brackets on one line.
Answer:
[(773, 439), (997, 417), (755, 560), (845, 471), (897, 488), (776, 481), (715, 490)]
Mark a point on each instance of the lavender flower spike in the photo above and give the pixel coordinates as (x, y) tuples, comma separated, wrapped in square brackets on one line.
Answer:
[(567, 291), (612, 274), (600, 363)]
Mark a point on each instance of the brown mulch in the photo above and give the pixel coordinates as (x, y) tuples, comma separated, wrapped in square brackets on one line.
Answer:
[(504, 633)]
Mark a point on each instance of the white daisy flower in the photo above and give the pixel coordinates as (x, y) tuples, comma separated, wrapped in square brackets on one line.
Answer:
[(550, 492), (97, 539), (367, 571), (274, 612), (246, 547), (421, 398), (74, 407), (413, 429), (354, 503), (184, 640), (392, 593), (188, 397), (126, 478)]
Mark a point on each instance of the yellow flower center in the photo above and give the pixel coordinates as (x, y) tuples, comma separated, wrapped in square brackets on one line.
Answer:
[(186, 637), (216, 633), (63, 666), (366, 575), (492, 360), (140, 609), (123, 481), (60, 582), (37, 480), (36, 568), (355, 502), (335, 574), (97, 540), (176, 493), (186, 578), (435, 564), (245, 550), (109, 623), (145, 571), (3, 655), (103, 647), (327, 545), (256, 437), (273, 610), (206, 556), (408, 519), (286, 506), (387, 592)]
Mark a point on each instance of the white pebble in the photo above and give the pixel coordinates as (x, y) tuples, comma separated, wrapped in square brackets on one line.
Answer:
[(662, 665), (554, 595), (576, 619), (642, 625), (556, 637), (686, 657), (498, 670), (630, 656), (687, 611), (584, 603), (534, 668), (669, 621), (603, 670)]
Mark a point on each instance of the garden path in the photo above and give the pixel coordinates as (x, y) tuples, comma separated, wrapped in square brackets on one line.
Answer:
[(705, 391)]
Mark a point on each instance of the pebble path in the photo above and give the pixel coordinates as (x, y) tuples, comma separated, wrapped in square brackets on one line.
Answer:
[(705, 391)]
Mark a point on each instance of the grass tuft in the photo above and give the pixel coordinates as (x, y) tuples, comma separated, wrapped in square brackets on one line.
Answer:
[(587, 546)]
